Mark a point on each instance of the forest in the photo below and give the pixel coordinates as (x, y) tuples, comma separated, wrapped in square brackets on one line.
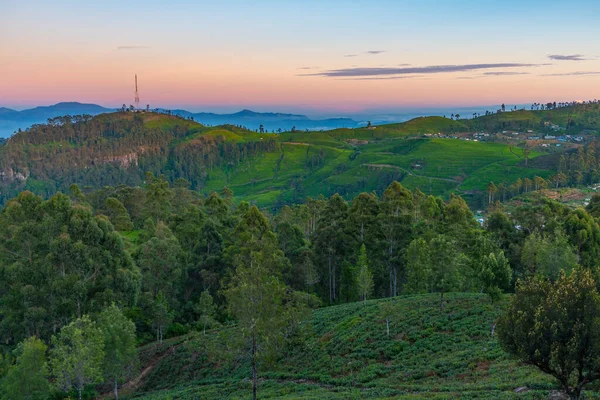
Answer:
[(89, 275)]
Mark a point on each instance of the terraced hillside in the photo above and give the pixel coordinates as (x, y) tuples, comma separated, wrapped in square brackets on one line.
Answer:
[(347, 354)]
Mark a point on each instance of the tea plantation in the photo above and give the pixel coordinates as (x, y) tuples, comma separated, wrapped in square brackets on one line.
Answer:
[(346, 353)]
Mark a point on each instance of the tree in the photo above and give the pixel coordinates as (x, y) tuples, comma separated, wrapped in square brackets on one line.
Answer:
[(206, 309), (547, 255), (255, 297), (332, 243), (364, 277), (417, 266), (397, 213), (158, 197), (28, 378), (526, 153), (495, 275), (492, 190), (387, 310), (77, 356), (540, 183), (118, 214), (161, 315), (159, 261), (120, 353), (594, 207), (444, 262), (556, 327), (58, 261), (559, 179)]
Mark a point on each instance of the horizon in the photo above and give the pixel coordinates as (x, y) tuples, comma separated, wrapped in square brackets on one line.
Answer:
[(310, 58), (275, 109)]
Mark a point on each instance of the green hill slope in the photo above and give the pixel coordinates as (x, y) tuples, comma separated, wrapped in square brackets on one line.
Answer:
[(269, 169), (347, 354)]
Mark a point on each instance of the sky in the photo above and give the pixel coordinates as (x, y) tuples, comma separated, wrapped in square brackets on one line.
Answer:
[(312, 56)]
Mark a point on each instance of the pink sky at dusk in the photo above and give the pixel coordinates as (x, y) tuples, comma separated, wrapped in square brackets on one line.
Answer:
[(223, 59)]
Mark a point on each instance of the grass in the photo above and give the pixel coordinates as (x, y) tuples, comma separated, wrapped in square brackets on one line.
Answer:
[(346, 354), (437, 166)]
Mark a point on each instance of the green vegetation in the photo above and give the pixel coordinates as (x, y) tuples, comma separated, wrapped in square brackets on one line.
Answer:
[(347, 354), (393, 294), (555, 327), (271, 170)]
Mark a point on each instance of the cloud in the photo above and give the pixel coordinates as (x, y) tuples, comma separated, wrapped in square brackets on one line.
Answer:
[(131, 47), (350, 55), (432, 69), (578, 73), (373, 52), (505, 73), (382, 78), (570, 57), (306, 68)]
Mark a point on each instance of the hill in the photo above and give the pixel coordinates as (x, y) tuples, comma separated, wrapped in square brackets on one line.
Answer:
[(568, 117), (11, 120), (269, 170), (347, 354)]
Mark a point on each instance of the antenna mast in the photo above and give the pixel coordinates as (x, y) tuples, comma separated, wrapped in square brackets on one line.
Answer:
[(137, 96)]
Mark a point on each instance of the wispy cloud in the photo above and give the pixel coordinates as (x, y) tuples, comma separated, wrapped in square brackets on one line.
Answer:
[(350, 55), (382, 78), (373, 52), (307, 68), (432, 69), (577, 73), (131, 47), (505, 73), (569, 57)]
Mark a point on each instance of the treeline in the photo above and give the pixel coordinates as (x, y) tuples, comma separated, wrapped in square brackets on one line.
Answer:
[(103, 151), (171, 262), (576, 168)]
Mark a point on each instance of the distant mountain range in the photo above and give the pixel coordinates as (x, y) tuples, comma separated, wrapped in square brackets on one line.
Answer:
[(12, 120)]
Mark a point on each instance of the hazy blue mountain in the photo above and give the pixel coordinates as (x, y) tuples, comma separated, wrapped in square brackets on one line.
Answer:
[(270, 121), (12, 120)]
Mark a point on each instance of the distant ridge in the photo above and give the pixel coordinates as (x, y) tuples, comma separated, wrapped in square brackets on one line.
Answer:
[(12, 120)]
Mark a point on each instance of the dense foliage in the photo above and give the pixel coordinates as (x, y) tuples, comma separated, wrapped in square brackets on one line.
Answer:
[(556, 327), (175, 262), (277, 169)]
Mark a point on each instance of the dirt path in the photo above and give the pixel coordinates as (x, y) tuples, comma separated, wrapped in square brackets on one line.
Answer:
[(133, 385)]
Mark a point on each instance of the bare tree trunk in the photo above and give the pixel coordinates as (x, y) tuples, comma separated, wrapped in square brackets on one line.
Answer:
[(395, 281), (441, 301), (387, 325), (254, 370), (330, 281), (116, 390)]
